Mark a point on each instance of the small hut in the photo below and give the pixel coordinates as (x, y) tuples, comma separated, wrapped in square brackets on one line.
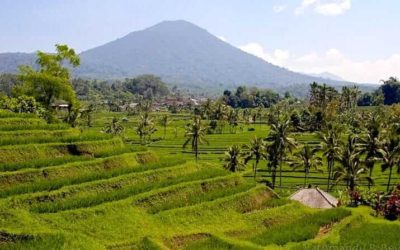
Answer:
[(315, 198)]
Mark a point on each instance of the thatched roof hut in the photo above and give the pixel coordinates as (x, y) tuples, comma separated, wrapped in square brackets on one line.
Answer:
[(315, 198)]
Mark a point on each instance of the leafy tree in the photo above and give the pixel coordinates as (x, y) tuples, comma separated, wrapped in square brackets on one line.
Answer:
[(7, 83), (234, 159), (21, 104), (256, 150), (114, 127), (52, 81), (307, 159), (195, 134), (391, 91), (250, 97), (148, 86)]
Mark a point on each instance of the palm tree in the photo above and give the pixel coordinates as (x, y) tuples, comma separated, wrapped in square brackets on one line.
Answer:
[(220, 114), (351, 169), (281, 142), (307, 159), (272, 156), (330, 144), (195, 133), (233, 117), (370, 145), (145, 128), (114, 127), (256, 150), (164, 121), (207, 108), (234, 159), (390, 155), (259, 114)]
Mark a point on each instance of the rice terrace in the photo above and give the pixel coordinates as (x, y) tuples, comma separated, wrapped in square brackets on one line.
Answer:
[(172, 138)]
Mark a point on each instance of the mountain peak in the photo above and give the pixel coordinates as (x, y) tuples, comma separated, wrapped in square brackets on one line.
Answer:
[(181, 53), (174, 25)]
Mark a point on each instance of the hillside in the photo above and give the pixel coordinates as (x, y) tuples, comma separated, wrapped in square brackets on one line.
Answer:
[(181, 53), (62, 188)]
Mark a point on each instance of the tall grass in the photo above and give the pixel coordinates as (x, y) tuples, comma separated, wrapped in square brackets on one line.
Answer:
[(20, 127), (16, 154), (193, 193), (42, 163), (45, 136), (22, 121), (54, 242), (52, 178), (8, 114), (118, 188), (302, 229)]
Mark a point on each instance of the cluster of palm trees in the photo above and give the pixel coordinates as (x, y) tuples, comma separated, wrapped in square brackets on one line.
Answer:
[(223, 115), (350, 161)]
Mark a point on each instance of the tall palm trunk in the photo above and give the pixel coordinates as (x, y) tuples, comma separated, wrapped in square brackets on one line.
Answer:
[(280, 173), (352, 184), (305, 178), (390, 178), (273, 178), (330, 165), (255, 168), (371, 168)]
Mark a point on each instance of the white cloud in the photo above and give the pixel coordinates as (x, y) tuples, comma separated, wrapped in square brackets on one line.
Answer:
[(279, 8), (325, 7), (277, 57), (222, 38), (332, 61)]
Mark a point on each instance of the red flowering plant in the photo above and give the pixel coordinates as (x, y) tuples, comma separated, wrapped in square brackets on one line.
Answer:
[(392, 206), (389, 206), (355, 198)]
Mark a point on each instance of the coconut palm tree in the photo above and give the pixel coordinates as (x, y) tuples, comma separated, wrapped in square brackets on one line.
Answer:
[(114, 127), (195, 134), (207, 108), (279, 139), (330, 145), (390, 155), (307, 159), (164, 121), (273, 161), (256, 151), (234, 160), (232, 118), (351, 169), (370, 145), (145, 128)]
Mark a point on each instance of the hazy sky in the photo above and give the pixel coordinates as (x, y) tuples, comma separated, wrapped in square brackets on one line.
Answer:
[(358, 40)]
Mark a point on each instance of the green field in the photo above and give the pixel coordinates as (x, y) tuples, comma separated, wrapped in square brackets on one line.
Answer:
[(63, 188)]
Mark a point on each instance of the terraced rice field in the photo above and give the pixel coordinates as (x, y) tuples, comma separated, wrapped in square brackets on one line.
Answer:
[(61, 188)]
